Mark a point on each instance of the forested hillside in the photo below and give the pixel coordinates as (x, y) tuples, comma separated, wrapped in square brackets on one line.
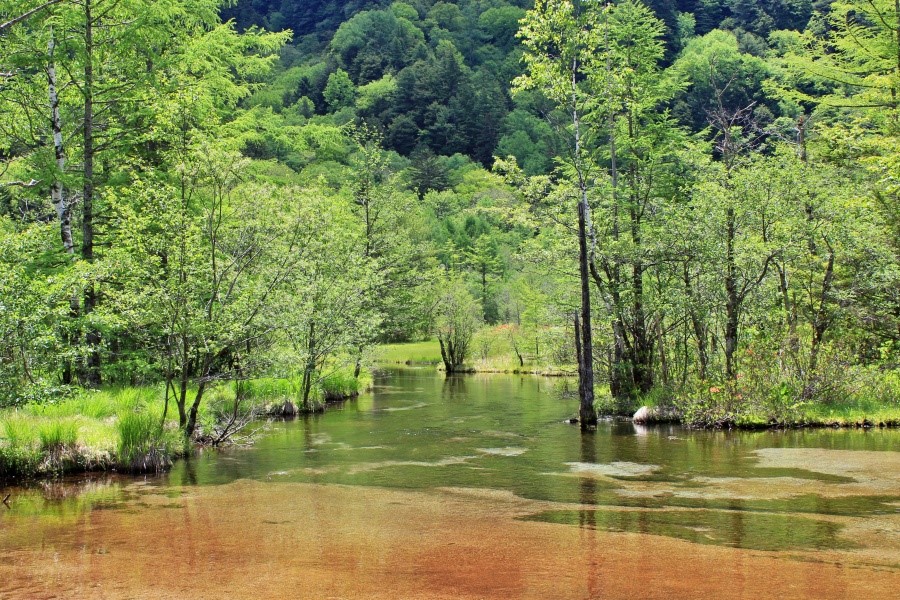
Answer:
[(694, 202)]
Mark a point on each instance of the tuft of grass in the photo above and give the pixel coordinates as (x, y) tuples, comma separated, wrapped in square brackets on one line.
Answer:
[(57, 435), (19, 455), (144, 444)]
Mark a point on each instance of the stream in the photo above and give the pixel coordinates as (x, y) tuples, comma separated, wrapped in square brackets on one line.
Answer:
[(473, 486)]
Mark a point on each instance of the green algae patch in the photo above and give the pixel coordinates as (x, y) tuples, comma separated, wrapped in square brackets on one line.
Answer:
[(736, 529)]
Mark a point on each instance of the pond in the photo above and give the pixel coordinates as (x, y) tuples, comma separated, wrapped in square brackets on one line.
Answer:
[(474, 486)]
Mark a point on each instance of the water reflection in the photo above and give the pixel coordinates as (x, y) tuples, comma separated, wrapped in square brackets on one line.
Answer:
[(455, 387), (588, 485)]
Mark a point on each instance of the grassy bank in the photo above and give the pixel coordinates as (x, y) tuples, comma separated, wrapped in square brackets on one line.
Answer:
[(412, 353), (500, 349), (854, 397), (109, 429), (122, 429)]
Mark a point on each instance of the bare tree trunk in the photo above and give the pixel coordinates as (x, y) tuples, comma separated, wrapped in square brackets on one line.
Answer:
[(587, 414), (310, 367), (57, 191), (642, 356), (191, 426), (448, 365), (663, 357), (699, 327)]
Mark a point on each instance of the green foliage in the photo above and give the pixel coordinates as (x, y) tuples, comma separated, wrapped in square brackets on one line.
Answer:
[(237, 215), (339, 91)]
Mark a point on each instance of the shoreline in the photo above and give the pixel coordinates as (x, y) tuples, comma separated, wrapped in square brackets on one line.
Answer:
[(61, 462)]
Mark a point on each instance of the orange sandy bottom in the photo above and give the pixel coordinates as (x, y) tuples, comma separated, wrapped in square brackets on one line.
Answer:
[(264, 540)]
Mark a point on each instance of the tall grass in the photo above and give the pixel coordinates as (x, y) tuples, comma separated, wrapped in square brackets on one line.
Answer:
[(337, 384), (19, 455), (144, 444)]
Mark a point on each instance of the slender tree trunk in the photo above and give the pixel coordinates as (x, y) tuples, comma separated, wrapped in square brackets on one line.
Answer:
[(182, 395), (588, 416), (195, 407), (92, 366), (663, 358), (732, 303), (61, 204), (448, 365), (310, 367), (642, 359), (699, 327), (820, 323)]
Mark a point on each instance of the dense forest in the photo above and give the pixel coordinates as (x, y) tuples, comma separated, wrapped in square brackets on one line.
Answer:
[(694, 202)]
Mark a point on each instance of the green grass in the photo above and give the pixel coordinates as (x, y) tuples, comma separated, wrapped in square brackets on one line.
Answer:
[(336, 384), (852, 413), (80, 432), (54, 435), (491, 350), (120, 427), (145, 445), (427, 352)]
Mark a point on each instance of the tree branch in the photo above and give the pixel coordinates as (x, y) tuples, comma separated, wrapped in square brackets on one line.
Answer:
[(26, 15)]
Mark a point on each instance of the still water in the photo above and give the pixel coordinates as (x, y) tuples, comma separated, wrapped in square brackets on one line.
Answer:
[(474, 487)]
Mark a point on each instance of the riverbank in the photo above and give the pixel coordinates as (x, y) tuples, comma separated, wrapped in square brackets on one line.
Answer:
[(846, 416), (124, 429), (874, 401)]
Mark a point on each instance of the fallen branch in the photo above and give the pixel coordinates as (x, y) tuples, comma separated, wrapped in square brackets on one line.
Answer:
[(6, 501)]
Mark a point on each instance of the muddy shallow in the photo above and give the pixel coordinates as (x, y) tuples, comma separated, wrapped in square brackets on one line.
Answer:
[(474, 489)]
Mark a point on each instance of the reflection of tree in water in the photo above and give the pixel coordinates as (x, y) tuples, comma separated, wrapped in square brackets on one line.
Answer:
[(189, 471), (587, 518), (736, 536), (588, 485), (454, 387)]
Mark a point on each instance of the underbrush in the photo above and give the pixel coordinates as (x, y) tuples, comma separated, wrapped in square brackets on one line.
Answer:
[(337, 383), (838, 394)]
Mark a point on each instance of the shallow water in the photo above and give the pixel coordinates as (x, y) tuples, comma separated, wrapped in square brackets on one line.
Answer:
[(474, 487)]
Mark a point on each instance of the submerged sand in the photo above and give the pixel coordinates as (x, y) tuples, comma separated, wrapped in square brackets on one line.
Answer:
[(286, 540)]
